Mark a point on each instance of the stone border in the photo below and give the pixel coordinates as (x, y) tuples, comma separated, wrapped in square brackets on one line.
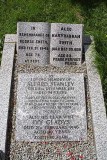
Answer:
[(10, 38), (5, 88), (97, 105)]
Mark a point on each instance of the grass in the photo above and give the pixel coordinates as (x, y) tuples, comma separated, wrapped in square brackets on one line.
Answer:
[(92, 13)]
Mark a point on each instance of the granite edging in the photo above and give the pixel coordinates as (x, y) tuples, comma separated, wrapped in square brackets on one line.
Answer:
[(97, 106), (5, 88)]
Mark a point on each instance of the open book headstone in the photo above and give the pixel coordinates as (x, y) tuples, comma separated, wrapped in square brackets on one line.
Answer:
[(43, 43)]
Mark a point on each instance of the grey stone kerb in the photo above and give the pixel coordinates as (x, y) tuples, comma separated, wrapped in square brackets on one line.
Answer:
[(97, 105), (5, 87)]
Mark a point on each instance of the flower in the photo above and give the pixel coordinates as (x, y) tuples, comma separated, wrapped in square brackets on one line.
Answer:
[(73, 158), (81, 156), (58, 151), (69, 154), (65, 146)]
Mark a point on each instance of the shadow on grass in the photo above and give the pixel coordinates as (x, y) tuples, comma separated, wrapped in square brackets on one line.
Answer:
[(88, 4)]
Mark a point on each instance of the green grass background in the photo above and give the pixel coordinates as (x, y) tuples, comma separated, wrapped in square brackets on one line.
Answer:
[(91, 13)]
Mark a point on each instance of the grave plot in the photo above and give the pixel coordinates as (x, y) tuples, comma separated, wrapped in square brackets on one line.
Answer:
[(54, 102)]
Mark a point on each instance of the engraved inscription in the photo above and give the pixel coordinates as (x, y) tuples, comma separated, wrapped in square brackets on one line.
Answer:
[(33, 43), (51, 107), (66, 40)]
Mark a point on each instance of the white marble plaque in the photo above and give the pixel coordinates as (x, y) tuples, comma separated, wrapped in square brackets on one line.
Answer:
[(66, 44), (51, 107), (33, 43)]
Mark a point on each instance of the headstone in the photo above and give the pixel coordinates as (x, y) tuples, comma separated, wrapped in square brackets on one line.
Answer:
[(66, 44), (40, 44), (33, 43), (51, 107)]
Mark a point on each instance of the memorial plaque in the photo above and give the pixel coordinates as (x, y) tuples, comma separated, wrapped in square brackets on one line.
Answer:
[(33, 43), (51, 107), (66, 44)]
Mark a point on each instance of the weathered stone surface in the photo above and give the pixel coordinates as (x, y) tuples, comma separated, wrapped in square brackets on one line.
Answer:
[(33, 43), (10, 38), (66, 44), (5, 88), (51, 107), (97, 106)]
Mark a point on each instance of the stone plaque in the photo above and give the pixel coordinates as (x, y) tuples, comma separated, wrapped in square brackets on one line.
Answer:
[(66, 44), (51, 107), (33, 43)]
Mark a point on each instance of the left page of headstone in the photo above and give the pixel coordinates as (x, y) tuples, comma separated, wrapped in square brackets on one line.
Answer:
[(33, 43)]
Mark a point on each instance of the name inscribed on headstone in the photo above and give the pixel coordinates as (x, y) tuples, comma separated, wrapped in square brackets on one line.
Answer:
[(51, 107), (33, 43), (66, 44)]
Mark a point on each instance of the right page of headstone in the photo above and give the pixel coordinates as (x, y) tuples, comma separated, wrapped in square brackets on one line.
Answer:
[(66, 44)]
